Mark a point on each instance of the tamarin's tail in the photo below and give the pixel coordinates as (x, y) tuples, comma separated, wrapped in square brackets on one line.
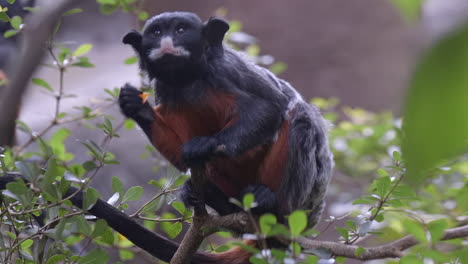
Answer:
[(158, 246)]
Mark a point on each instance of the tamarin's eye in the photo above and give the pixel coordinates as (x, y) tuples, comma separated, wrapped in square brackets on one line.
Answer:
[(157, 31), (180, 29)]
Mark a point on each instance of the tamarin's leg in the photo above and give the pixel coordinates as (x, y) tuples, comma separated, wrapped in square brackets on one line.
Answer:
[(265, 198)]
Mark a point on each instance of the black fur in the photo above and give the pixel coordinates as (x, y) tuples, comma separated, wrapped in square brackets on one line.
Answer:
[(263, 102)]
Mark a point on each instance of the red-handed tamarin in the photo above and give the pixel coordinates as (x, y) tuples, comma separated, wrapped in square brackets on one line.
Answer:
[(208, 95)]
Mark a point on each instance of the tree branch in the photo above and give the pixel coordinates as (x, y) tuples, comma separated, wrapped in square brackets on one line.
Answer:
[(392, 249), (37, 31)]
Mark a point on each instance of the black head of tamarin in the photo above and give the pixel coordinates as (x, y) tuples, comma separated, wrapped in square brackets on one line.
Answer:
[(207, 95), (174, 46)]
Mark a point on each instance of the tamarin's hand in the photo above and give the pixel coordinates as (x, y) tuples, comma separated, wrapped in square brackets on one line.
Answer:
[(134, 106), (199, 150)]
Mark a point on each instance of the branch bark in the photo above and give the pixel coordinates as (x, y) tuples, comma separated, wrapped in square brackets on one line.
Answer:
[(392, 249), (37, 31)]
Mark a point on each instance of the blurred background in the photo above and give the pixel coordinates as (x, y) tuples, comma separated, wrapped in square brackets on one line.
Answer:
[(359, 51)]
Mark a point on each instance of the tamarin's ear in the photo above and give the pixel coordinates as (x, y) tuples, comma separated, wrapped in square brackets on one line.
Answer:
[(214, 31), (133, 38)]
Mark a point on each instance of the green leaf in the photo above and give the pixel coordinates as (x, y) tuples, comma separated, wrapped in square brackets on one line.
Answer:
[(82, 50), (382, 186), (57, 144), (107, 2), (297, 222), (437, 229), (52, 172), (89, 165), (416, 229), (129, 124), (435, 124), (97, 256), (83, 63), (382, 173), (4, 17), (90, 197), (266, 222), (56, 259), (99, 228), (26, 244), (411, 260), (359, 251), (16, 22), (73, 11), (11, 1), (126, 254), (131, 60), (179, 206), (10, 33), (344, 232), (143, 16), (117, 186), (248, 200), (133, 194), (172, 229), (410, 10)]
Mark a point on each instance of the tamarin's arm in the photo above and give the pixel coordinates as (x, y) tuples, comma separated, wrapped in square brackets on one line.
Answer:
[(152, 123), (256, 120), (133, 107)]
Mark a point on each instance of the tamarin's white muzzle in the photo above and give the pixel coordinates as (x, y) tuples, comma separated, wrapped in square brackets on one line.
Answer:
[(167, 47)]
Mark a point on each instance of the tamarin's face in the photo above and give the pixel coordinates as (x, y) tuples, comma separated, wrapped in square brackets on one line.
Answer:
[(172, 39), (172, 45)]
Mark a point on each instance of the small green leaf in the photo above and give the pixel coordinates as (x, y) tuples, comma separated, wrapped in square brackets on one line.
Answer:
[(143, 16), (266, 222), (99, 228), (52, 172), (129, 124), (359, 251), (90, 198), (97, 256), (344, 232), (133, 194), (416, 229), (179, 206), (4, 17), (16, 22), (10, 33), (410, 10), (117, 186), (89, 165), (131, 60), (82, 50), (107, 2), (382, 185), (56, 259), (248, 200), (437, 229), (297, 222), (27, 243), (73, 11), (126, 254), (383, 173), (172, 229), (11, 1)]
